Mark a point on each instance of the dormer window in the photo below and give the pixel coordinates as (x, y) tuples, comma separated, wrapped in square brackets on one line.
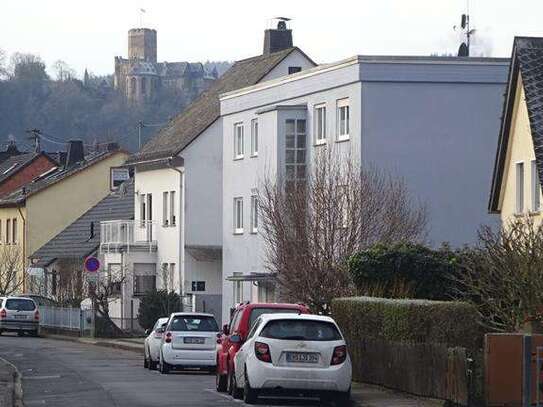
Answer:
[(294, 69)]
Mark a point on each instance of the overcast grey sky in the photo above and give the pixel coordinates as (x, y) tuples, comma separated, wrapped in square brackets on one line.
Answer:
[(90, 33)]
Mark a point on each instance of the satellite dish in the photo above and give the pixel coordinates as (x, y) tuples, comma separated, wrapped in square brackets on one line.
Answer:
[(463, 51)]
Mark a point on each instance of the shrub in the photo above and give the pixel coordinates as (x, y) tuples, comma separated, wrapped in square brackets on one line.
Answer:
[(156, 304), (404, 270), (421, 321)]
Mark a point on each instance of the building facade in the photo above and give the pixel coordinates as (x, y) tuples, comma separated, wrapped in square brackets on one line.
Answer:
[(431, 121), (140, 77)]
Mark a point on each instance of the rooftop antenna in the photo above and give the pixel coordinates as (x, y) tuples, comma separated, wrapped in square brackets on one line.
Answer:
[(463, 50), (282, 22), (141, 13)]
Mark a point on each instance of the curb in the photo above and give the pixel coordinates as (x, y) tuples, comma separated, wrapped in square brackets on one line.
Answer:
[(106, 344), (14, 395)]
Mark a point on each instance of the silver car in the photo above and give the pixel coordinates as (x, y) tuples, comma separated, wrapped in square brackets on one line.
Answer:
[(151, 347), (19, 314)]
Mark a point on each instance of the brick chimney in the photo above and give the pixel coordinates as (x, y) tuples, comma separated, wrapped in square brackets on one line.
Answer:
[(277, 39), (75, 153)]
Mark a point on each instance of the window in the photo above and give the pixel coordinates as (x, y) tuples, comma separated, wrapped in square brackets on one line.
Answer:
[(171, 275), (295, 148), (238, 141), (238, 215), (320, 124), (198, 286), (343, 199), (172, 208), (165, 276), (149, 207), (165, 214), (114, 274), (14, 229), (254, 213), (144, 284), (194, 324), (8, 231), (536, 188), (143, 210), (254, 137), (294, 69), (520, 186), (305, 330), (343, 116)]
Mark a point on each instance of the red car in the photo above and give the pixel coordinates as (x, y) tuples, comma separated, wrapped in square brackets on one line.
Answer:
[(235, 334)]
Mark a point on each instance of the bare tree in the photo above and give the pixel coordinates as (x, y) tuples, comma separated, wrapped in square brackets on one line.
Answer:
[(3, 69), (503, 275), (312, 227), (67, 283), (11, 269), (63, 71)]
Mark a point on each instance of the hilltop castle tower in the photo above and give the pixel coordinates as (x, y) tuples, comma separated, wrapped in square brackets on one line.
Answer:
[(140, 77)]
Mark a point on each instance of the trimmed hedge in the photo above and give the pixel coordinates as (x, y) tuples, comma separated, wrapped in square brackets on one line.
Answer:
[(420, 321)]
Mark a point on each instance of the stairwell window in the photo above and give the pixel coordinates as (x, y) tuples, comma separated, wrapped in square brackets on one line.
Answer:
[(254, 214), (172, 208), (320, 124), (165, 214), (238, 141), (343, 119), (238, 215), (519, 176), (254, 138), (536, 188)]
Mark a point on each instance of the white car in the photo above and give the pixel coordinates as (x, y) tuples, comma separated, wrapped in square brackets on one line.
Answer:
[(293, 355), (19, 314), (151, 346), (189, 341)]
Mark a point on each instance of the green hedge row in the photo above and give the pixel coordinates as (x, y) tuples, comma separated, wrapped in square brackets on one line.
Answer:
[(419, 321)]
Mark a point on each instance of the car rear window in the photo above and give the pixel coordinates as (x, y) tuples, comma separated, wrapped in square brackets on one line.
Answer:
[(303, 330), (18, 304), (256, 312), (194, 324)]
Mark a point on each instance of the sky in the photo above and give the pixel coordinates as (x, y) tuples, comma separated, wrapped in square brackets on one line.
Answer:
[(88, 34)]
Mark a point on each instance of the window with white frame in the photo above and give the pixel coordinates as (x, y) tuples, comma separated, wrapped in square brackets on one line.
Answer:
[(238, 215), (343, 119), (536, 188), (254, 213), (8, 231), (143, 210), (238, 141), (295, 151), (165, 215), (320, 124), (519, 175), (254, 137), (172, 208)]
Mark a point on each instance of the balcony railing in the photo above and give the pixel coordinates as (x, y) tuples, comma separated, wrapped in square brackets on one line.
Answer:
[(127, 234)]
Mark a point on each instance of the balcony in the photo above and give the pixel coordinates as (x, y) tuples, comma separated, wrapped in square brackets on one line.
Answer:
[(127, 235)]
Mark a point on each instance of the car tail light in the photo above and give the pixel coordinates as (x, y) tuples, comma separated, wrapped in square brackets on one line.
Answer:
[(339, 355), (3, 314), (262, 351), (168, 338), (37, 315)]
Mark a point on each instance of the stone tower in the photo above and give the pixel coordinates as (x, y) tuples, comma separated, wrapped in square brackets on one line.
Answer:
[(142, 44)]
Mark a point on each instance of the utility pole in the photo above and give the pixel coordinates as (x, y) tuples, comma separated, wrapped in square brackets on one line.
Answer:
[(35, 135)]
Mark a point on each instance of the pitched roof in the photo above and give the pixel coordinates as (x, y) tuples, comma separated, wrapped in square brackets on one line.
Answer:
[(19, 196), (74, 240), (17, 162), (526, 59), (201, 113)]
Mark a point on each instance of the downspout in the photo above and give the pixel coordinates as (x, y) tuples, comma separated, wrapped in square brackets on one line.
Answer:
[(24, 248), (181, 225)]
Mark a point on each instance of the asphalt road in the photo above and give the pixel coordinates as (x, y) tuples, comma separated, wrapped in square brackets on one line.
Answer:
[(61, 373)]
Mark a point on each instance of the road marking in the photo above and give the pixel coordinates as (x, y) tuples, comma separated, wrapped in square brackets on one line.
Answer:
[(56, 376)]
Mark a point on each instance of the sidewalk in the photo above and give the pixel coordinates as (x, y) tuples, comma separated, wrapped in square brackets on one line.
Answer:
[(363, 395), (10, 385)]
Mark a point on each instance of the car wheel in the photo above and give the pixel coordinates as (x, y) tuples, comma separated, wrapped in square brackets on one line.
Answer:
[(163, 366), (145, 360), (221, 381), (343, 399), (250, 396), (233, 388)]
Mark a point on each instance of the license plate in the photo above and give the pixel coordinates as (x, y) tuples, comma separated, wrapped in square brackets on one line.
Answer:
[(302, 357), (20, 316), (194, 341)]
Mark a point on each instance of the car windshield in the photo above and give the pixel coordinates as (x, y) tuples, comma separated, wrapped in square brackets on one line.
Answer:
[(194, 324), (302, 330), (19, 304), (256, 312), (159, 323)]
